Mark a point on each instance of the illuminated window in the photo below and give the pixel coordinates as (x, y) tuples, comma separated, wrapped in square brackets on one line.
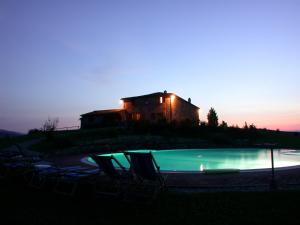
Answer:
[(160, 99), (136, 116)]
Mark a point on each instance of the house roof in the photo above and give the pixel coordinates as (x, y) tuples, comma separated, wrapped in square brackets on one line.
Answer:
[(158, 94), (100, 112), (148, 95)]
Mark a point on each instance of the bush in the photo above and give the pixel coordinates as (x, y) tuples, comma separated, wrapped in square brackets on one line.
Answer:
[(34, 131), (50, 125)]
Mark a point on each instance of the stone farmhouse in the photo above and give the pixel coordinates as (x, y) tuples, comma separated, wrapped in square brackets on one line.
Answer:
[(151, 107)]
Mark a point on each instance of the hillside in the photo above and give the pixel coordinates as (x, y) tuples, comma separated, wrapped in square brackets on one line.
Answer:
[(163, 137), (7, 133)]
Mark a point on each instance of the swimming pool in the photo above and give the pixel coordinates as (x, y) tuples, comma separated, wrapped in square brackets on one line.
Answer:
[(210, 159)]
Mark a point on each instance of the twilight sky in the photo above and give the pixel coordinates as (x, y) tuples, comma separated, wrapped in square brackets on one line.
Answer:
[(65, 58)]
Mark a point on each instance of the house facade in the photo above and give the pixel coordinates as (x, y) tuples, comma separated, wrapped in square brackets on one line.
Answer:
[(152, 108)]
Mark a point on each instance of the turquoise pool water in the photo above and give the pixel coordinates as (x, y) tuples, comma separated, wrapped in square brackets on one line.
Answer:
[(226, 158)]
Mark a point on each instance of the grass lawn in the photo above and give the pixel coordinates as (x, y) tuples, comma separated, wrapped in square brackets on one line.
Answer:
[(116, 139), (121, 138), (8, 141), (22, 205)]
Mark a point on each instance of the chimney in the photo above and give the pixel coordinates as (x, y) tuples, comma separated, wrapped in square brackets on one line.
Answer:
[(190, 100)]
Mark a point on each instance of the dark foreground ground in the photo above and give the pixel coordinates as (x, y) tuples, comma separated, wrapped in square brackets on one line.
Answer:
[(23, 205)]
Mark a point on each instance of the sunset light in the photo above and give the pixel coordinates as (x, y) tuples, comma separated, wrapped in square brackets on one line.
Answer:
[(241, 59), (153, 112)]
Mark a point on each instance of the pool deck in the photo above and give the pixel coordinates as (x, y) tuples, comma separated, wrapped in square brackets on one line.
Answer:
[(254, 180)]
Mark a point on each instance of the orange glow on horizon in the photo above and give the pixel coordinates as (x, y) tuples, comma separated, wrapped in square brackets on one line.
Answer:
[(284, 120), (273, 122)]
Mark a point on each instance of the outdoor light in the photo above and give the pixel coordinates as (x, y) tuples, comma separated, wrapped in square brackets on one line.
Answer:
[(201, 168), (172, 98)]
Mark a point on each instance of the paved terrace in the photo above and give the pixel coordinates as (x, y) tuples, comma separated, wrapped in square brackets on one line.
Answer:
[(256, 180)]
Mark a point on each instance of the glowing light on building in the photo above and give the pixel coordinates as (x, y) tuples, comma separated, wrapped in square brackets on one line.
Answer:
[(172, 98), (160, 99)]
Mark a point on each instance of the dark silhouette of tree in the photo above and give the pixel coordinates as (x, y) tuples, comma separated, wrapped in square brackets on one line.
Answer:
[(203, 124), (235, 126), (246, 126), (212, 118), (252, 127), (34, 131), (224, 124)]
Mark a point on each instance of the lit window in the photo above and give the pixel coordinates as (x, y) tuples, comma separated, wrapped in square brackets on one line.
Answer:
[(138, 116), (160, 99)]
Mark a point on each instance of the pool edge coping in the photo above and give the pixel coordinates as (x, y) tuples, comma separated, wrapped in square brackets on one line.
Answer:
[(85, 161)]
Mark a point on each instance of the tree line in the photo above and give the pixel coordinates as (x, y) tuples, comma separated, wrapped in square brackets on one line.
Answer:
[(213, 121)]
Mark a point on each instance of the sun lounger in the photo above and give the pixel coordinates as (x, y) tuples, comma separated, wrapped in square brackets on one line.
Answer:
[(15, 163), (115, 180), (147, 173), (65, 179)]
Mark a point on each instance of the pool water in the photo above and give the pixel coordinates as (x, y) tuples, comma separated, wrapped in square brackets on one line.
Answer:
[(208, 159)]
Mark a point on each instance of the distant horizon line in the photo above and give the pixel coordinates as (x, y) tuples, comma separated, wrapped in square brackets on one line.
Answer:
[(24, 133)]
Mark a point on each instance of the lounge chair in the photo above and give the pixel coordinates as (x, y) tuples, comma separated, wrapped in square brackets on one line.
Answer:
[(147, 173), (38, 172), (71, 178), (63, 179), (42, 173), (15, 163), (18, 163), (115, 180)]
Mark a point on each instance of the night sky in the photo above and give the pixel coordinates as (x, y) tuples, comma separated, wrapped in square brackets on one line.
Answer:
[(65, 58)]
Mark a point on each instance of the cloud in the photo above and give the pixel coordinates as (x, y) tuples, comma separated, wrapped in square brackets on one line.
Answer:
[(105, 74), (112, 72)]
